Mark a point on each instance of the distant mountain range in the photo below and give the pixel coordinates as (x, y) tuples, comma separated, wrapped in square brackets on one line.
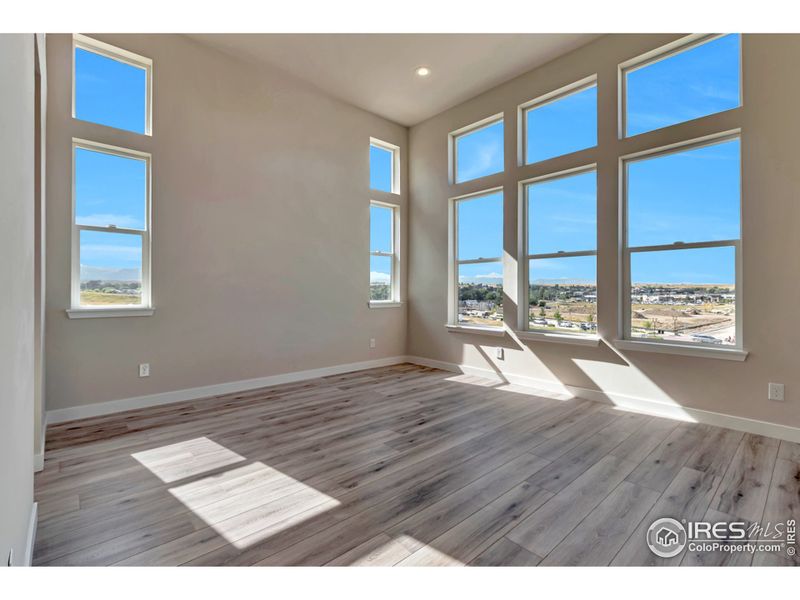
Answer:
[(563, 281), (109, 274)]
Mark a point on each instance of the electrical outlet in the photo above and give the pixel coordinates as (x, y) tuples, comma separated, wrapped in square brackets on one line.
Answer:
[(499, 353), (371, 342), (775, 392), (144, 370)]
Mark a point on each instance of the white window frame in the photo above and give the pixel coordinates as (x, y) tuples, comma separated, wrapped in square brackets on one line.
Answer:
[(551, 97), (523, 324), (394, 254), (395, 176), (683, 44), (626, 341), (124, 56), (454, 262), (452, 146), (146, 307)]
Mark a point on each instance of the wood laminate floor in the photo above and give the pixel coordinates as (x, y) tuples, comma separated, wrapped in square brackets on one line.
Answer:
[(401, 465)]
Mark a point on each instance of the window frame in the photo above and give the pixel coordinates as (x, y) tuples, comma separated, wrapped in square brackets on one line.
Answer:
[(524, 258), (394, 276), (543, 100), (395, 175), (625, 338), (452, 146), (678, 46), (453, 262), (146, 306), (124, 56)]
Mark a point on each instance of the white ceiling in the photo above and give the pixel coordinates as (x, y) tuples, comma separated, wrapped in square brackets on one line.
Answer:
[(376, 71)]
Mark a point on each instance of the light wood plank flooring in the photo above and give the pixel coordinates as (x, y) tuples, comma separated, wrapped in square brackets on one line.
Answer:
[(401, 465)]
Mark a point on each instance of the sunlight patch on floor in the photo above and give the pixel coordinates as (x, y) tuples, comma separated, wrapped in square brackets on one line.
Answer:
[(249, 504), (186, 459)]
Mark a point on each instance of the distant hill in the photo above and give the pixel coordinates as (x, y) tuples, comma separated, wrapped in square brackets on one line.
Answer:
[(562, 281), (109, 274)]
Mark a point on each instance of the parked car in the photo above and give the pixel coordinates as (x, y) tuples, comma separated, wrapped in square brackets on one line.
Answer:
[(566, 324), (540, 321)]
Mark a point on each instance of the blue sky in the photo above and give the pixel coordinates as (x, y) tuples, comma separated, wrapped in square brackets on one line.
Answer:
[(109, 92), (691, 84), (546, 126), (380, 169), (380, 239), (480, 153)]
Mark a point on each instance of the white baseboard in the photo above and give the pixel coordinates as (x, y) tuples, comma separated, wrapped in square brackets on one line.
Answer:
[(31, 539), (623, 402), (62, 415)]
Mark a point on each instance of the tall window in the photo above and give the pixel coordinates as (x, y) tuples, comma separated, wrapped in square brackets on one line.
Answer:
[(111, 227), (111, 86), (682, 245), (692, 78), (477, 150), (477, 265), (560, 122), (681, 250), (560, 261), (111, 186), (383, 258), (384, 166)]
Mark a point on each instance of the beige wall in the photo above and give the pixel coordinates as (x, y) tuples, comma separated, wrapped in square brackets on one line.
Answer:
[(260, 231), (16, 275), (771, 246)]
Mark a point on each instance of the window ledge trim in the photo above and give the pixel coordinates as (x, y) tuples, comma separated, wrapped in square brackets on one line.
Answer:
[(491, 331), (735, 354), (384, 304), (559, 338), (93, 313)]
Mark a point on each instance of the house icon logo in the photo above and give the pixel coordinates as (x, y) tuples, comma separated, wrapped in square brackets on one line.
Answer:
[(666, 537)]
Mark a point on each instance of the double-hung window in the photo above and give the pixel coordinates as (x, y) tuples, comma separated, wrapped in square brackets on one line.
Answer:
[(559, 239), (111, 227), (111, 185), (476, 265), (383, 256), (681, 204)]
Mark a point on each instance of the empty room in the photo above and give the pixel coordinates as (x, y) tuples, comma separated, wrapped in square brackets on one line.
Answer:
[(399, 299)]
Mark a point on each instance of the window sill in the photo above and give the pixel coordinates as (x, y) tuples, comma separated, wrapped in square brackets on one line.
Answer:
[(736, 354), (493, 331), (94, 313), (384, 304), (559, 338)]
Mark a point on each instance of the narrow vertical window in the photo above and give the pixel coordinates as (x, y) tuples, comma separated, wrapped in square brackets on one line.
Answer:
[(560, 260), (384, 167), (383, 259), (111, 227), (477, 260)]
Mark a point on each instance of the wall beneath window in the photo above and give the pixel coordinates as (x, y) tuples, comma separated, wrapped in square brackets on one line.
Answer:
[(16, 275), (260, 230), (771, 246)]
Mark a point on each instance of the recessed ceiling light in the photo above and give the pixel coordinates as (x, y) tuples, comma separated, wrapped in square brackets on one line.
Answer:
[(423, 71)]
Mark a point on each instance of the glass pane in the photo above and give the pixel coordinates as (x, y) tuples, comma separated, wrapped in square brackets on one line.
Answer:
[(562, 214), (694, 83), (565, 125), (380, 228), (480, 294), (684, 295), (111, 268), (380, 278), (380, 169), (480, 227), (563, 294), (109, 92), (690, 196), (109, 190), (479, 153)]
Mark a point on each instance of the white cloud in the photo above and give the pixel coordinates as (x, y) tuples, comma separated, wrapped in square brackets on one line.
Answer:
[(378, 277)]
